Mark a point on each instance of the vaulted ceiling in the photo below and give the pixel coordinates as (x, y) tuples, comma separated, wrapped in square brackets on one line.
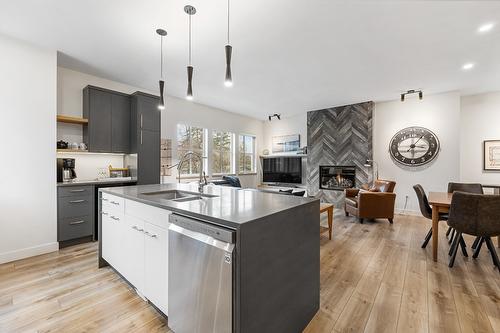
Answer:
[(288, 56)]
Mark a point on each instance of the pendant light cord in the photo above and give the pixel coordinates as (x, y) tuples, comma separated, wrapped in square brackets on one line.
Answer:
[(190, 40), (161, 57), (227, 22)]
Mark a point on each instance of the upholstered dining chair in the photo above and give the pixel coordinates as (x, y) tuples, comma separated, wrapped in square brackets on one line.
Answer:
[(468, 188), (426, 210), (477, 215)]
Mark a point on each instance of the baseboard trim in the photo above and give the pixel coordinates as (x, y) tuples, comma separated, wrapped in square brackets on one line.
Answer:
[(407, 212), (28, 252)]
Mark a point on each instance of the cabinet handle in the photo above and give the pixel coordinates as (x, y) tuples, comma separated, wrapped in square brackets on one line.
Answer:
[(115, 218), (154, 236), (115, 203), (104, 199), (76, 191), (141, 120), (77, 201), (141, 136), (104, 213), (77, 222)]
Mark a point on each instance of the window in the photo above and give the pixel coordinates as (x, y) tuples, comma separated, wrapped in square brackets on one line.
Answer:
[(222, 152), (247, 154), (190, 138)]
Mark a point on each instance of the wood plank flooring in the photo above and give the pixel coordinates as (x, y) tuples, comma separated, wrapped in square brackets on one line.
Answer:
[(374, 278)]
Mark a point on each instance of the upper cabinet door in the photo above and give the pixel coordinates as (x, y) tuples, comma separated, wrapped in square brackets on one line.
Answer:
[(120, 123), (149, 114), (99, 115)]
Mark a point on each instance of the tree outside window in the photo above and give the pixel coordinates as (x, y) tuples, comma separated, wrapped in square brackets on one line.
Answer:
[(190, 138), (247, 154), (222, 152)]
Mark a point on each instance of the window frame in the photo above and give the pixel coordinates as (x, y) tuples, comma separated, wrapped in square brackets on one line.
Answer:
[(253, 154)]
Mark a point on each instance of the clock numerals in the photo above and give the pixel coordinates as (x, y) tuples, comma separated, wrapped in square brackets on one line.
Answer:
[(414, 146)]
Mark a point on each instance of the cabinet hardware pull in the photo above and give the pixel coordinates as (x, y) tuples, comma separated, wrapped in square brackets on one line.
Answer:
[(77, 222), (115, 203), (141, 124), (141, 137), (77, 201), (104, 199), (154, 236), (76, 191), (115, 218), (141, 230), (104, 213)]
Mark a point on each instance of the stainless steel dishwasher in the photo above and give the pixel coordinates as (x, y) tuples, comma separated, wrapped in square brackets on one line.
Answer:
[(200, 276)]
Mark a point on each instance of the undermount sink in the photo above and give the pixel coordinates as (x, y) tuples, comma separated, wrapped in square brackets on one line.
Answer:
[(179, 196)]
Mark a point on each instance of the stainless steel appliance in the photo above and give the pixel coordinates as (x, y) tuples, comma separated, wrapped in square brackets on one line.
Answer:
[(200, 276), (65, 169)]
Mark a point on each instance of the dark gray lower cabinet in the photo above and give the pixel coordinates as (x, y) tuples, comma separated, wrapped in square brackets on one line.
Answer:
[(75, 213)]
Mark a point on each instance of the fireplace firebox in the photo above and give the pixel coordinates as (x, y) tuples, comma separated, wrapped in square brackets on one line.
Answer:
[(337, 177)]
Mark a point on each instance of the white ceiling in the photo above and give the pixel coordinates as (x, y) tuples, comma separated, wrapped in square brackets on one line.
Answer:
[(288, 56)]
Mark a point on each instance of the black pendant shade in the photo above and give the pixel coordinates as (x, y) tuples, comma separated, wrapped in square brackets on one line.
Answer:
[(189, 94), (229, 80), (162, 102)]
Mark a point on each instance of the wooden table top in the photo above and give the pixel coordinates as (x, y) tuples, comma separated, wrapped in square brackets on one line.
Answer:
[(440, 199), (325, 206)]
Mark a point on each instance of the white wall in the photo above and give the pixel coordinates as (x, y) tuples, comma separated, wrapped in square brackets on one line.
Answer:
[(441, 114), (480, 120), (71, 83), (27, 142)]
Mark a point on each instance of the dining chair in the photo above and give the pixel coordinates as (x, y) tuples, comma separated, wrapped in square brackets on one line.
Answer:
[(468, 188), (426, 210), (477, 215)]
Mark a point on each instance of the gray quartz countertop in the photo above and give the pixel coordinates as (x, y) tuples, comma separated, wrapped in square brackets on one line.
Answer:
[(97, 182), (229, 206)]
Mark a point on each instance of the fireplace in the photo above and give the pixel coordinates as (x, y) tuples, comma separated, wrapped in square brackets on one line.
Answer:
[(336, 177)]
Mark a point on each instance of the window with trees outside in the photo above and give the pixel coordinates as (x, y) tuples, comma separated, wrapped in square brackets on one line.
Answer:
[(247, 154), (190, 138), (222, 152)]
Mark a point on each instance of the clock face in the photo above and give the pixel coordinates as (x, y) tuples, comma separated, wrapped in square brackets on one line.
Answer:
[(414, 146)]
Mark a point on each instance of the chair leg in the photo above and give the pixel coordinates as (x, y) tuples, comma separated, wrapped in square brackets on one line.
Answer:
[(427, 238), (346, 213), (361, 220), (477, 249), (493, 252), (463, 246), (390, 221), (455, 245), (452, 235), (476, 241), (448, 231)]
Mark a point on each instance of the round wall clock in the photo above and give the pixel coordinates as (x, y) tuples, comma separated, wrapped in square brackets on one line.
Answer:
[(414, 146)]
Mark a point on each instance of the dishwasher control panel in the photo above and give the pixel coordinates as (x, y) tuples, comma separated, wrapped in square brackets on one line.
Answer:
[(203, 227)]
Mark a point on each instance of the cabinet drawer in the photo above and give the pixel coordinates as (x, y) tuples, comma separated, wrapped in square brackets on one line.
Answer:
[(153, 215), (74, 227), (72, 191), (75, 206), (112, 203)]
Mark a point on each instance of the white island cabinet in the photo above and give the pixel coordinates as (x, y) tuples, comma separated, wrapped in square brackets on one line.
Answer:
[(135, 242)]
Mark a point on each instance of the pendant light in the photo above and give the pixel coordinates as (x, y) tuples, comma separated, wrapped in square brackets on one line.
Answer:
[(228, 82), (190, 10), (162, 33)]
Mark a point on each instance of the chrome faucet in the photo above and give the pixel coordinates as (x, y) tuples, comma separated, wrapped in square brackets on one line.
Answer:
[(189, 156)]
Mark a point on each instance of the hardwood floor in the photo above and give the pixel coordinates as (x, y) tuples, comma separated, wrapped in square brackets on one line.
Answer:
[(374, 278)]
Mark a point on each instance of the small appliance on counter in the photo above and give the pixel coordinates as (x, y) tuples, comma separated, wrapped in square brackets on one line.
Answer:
[(65, 169), (118, 172), (62, 144)]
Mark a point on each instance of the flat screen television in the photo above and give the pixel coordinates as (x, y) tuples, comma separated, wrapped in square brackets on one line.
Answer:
[(286, 170)]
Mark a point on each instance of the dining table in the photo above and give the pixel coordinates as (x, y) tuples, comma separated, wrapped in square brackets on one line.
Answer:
[(440, 203)]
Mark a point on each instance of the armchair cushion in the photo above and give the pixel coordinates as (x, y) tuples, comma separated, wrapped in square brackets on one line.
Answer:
[(376, 202)]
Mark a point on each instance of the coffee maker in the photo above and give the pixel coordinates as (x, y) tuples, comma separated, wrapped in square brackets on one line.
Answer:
[(65, 169)]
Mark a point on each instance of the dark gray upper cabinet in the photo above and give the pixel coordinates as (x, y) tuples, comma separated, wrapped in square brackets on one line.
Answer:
[(108, 113), (145, 137), (120, 123)]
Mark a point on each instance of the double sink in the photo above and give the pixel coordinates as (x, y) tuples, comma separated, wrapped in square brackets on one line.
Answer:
[(178, 196)]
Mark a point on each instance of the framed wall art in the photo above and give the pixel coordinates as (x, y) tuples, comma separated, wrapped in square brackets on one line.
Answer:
[(491, 153), (286, 143)]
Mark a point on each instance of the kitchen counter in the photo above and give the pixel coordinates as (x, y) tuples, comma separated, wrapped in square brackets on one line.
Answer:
[(276, 262), (98, 182), (230, 207)]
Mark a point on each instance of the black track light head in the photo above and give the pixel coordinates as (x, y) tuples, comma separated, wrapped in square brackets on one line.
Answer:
[(276, 115), (402, 97), (420, 95), (412, 91)]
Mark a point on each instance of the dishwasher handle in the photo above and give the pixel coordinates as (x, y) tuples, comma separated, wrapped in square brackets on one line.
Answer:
[(227, 247), (193, 226)]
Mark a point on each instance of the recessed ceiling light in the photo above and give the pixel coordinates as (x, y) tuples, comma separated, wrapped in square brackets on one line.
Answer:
[(485, 27), (468, 66)]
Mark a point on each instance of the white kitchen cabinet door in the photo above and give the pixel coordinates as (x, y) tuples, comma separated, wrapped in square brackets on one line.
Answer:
[(107, 239), (156, 266), (132, 251)]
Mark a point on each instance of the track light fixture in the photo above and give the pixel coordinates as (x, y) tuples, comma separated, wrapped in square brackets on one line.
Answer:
[(412, 91), (276, 115), (162, 33), (190, 10)]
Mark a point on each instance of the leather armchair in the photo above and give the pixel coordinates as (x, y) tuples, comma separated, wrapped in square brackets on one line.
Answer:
[(377, 202)]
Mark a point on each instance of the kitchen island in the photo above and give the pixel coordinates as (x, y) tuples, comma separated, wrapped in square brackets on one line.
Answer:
[(274, 285)]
